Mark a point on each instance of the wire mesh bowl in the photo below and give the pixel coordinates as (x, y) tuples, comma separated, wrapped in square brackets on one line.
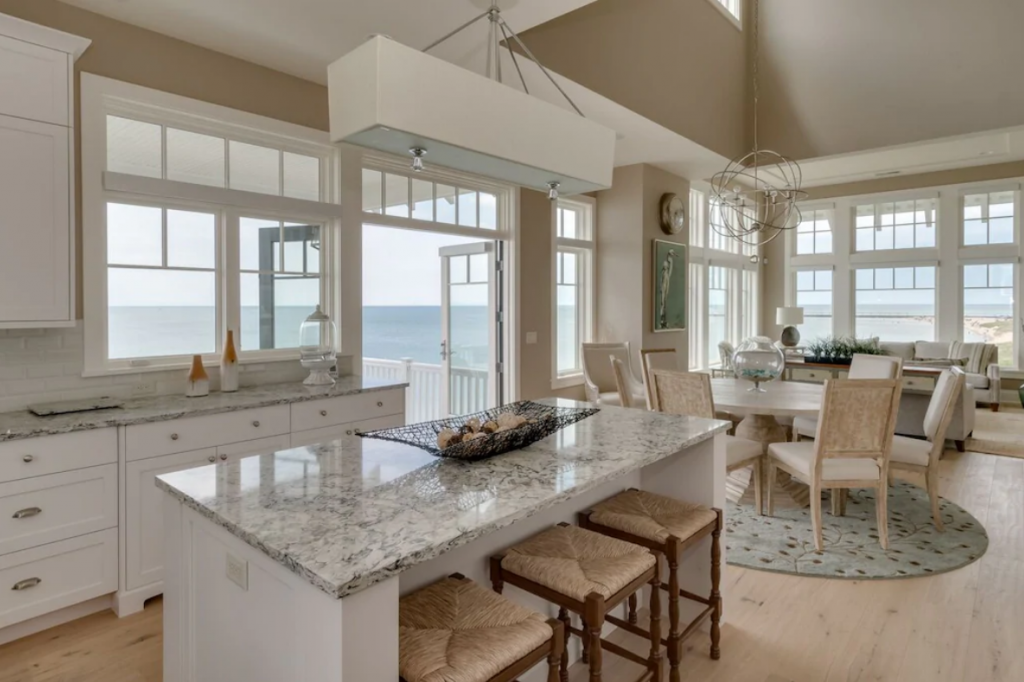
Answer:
[(541, 422)]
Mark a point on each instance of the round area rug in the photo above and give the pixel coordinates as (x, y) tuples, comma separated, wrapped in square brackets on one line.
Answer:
[(785, 543)]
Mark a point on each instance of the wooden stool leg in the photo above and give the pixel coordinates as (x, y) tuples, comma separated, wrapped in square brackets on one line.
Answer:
[(593, 609), (632, 609), (675, 649), (497, 581), (654, 660), (557, 650), (585, 653), (716, 584), (563, 617)]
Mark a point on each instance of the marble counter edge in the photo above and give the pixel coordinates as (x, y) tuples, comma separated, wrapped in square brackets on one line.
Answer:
[(394, 565), (101, 419)]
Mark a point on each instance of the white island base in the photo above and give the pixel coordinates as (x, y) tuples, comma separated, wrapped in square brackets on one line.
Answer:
[(233, 614)]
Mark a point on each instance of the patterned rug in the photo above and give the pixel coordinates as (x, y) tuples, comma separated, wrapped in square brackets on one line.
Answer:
[(785, 542)]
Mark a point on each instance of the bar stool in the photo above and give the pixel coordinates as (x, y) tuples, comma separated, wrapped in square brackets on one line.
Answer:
[(589, 574), (458, 631), (667, 527)]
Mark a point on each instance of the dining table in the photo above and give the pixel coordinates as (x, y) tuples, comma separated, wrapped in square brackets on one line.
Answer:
[(760, 412)]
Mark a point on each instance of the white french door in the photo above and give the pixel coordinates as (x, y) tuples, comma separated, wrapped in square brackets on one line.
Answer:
[(470, 354)]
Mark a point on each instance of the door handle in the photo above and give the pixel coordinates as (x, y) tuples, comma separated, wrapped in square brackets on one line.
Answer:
[(27, 513), (445, 353)]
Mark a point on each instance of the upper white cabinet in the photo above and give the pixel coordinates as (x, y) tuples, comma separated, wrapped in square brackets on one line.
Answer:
[(37, 263)]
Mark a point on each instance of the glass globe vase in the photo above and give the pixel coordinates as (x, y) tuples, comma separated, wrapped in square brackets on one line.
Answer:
[(316, 348), (758, 360)]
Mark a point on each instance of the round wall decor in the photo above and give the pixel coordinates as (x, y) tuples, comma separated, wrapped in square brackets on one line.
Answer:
[(673, 214)]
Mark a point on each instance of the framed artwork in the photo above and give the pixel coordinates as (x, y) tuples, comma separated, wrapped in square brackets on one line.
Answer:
[(669, 286)]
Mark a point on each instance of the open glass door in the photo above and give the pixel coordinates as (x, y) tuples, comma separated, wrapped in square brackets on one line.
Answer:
[(470, 316)]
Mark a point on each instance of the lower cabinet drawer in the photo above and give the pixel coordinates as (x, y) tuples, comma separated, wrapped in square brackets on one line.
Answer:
[(143, 441), (312, 437), (815, 375), (317, 414), (919, 383), (44, 579), (36, 511), (44, 455)]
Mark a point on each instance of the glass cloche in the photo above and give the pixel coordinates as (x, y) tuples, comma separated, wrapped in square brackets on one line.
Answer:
[(758, 360), (316, 348)]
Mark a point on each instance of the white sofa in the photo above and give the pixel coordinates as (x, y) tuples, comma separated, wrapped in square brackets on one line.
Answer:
[(980, 361)]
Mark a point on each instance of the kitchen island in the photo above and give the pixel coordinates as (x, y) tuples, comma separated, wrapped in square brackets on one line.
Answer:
[(288, 566)]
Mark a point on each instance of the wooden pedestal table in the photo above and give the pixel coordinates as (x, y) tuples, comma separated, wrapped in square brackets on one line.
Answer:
[(760, 411)]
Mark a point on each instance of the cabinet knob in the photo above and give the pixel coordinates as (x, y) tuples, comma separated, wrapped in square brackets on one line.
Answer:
[(212, 458), (323, 413), (256, 424), (224, 457), (174, 436), (28, 459), (380, 404), (25, 584), (27, 513), (349, 432)]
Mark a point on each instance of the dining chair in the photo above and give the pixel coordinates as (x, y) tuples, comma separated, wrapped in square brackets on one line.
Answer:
[(851, 448), (921, 457), (725, 352), (622, 387), (599, 379), (656, 358), (862, 367), (689, 394)]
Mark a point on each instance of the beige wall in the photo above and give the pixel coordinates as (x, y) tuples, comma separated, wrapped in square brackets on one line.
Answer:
[(536, 258), (841, 76), (628, 221), (774, 274), (680, 63)]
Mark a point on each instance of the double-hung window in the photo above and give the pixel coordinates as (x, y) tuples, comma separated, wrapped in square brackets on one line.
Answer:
[(896, 304), (199, 220), (574, 287)]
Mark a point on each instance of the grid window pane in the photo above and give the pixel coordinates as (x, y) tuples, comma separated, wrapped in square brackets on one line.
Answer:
[(195, 158), (301, 176), (422, 200), (396, 195), (814, 295), (814, 233), (274, 307), (488, 211), (988, 308), (258, 242), (255, 168), (908, 224), (134, 147), (373, 191), (467, 208), (134, 235), (445, 204), (989, 218), (896, 304), (191, 239)]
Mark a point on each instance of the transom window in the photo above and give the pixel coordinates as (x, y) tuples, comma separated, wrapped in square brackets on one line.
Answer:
[(574, 286), (988, 218), (814, 233), (907, 224), (814, 295), (401, 196), (896, 304)]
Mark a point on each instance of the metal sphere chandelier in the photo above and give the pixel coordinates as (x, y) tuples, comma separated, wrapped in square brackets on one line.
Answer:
[(757, 196)]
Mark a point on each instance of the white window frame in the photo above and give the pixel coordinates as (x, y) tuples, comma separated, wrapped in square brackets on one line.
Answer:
[(585, 250), (794, 283), (948, 254), (744, 313), (102, 97), (812, 214), (731, 10), (877, 205)]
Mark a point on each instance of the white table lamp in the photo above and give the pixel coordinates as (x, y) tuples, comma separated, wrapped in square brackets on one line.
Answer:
[(789, 317)]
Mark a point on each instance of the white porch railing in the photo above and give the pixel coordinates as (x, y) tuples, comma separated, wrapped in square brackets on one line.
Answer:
[(426, 382)]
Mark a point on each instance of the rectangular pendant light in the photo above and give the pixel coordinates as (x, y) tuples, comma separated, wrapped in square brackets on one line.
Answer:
[(392, 98)]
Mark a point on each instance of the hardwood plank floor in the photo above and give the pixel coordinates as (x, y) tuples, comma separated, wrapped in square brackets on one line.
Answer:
[(963, 626)]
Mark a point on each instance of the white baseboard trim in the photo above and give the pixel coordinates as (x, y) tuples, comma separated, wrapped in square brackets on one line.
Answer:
[(133, 601), (52, 620), (1009, 397)]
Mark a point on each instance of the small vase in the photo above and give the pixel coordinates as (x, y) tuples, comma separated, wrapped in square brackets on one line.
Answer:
[(198, 380), (229, 365)]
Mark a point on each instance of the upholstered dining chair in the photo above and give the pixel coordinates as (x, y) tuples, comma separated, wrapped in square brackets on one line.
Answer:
[(921, 457), (599, 379), (851, 448), (689, 393), (652, 359), (725, 353), (622, 387), (862, 367)]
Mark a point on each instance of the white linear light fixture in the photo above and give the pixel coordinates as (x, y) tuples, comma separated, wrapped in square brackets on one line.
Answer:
[(392, 98), (757, 194)]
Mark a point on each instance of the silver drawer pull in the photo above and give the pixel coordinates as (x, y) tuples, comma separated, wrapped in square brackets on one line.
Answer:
[(174, 436), (224, 458), (256, 424), (323, 413), (212, 458), (380, 404), (26, 584), (27, 513), (28, 459)]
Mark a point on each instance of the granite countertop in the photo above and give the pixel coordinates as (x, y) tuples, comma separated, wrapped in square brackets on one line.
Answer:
[(350, 513), (24, 424)]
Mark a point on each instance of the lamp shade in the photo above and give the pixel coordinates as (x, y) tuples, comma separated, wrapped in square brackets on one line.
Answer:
[(789, 316), (392, 98)]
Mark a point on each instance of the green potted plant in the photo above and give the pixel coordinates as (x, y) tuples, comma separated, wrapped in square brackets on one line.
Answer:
[(839, 350)]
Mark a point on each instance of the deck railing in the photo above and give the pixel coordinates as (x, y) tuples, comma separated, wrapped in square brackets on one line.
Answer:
[(426, 383)]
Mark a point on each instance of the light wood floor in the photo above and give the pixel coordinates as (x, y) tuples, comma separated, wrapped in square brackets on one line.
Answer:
[(965, 626)]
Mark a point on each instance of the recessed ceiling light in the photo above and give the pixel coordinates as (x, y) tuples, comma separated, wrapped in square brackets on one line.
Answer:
[(888, 174)]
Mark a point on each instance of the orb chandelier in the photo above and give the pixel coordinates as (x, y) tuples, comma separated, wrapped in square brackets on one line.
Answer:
[(757, 196)]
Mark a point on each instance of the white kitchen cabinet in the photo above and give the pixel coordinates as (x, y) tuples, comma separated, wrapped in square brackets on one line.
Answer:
[(36, 180), (329, 433)]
